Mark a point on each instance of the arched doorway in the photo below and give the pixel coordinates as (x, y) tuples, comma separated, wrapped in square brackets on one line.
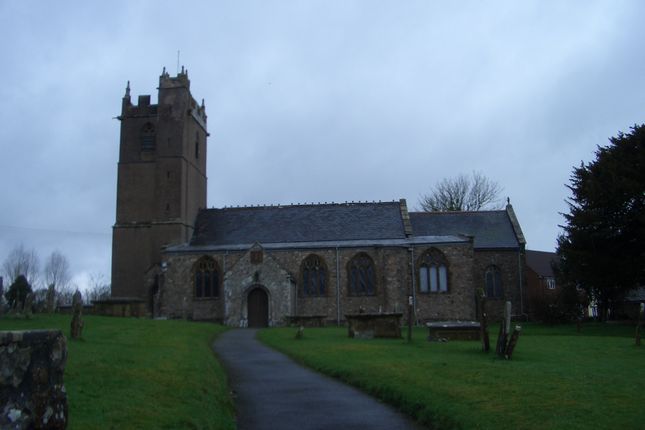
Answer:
[(258, 308)]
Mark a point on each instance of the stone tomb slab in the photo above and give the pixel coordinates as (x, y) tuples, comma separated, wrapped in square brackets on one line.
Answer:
[(370, 325), (453, 330)]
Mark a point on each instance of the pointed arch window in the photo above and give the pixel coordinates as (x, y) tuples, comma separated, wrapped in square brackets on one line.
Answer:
[(148, 137), (206, 279), (314, 277), (433, 272), (494, 282), (361, 276)]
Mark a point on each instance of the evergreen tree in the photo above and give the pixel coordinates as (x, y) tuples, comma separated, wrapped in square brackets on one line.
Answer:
[(17, 292), (602, 248)]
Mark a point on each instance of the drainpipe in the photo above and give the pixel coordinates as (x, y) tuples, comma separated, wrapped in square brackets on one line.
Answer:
[(337, 288), (519, 272), (295, 298), (413, 284), (224, 300)]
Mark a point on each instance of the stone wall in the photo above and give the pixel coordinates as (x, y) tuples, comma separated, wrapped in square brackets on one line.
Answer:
[(280, 274), (512, 265), (459, 302), (32, 394), (267, 274)]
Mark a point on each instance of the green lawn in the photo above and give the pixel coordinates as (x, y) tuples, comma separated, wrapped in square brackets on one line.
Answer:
[(558, 379), (140, 373)]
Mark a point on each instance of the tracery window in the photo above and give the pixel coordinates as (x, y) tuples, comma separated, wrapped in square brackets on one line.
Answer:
[(148, 137), (362, 276), (314, 277), (433, 272), (206, 278), (493, 282)]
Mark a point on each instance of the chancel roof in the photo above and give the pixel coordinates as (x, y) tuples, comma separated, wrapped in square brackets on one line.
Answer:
[(490, 229)]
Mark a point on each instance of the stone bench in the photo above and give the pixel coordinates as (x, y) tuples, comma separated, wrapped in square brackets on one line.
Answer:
[(367, 326), (306, 320), (453, 330)]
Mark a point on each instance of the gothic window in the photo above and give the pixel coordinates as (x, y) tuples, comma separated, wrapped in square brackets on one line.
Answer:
[(197, 145), (493, 282), (314, 277), (362, 276), (206, 277), (148, 137), (433, 272)]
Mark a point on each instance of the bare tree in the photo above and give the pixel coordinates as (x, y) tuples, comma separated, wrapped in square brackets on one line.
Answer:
[(57, 277), (21, 262), (99, 288), (462, 193)]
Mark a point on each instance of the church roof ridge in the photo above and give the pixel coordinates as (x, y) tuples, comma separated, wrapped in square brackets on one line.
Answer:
[(487, 211), (304, 204), (299, 222)]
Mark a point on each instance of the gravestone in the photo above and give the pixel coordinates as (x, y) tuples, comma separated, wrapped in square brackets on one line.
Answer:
[(77, 317), (28, 304), (51, 299), (483, 321)]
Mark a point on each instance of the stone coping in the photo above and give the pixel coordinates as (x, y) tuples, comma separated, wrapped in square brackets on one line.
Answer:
[(118, 300), (306, 316), (374, 315), (31, 336), (453, 324)]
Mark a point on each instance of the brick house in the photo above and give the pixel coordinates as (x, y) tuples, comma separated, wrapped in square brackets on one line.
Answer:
[(254, 266), (541, 286)]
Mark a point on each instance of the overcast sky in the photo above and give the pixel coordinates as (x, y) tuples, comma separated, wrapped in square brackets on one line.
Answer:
[(312, 101)]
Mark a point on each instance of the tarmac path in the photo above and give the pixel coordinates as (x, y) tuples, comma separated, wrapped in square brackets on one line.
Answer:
[(273, 392)]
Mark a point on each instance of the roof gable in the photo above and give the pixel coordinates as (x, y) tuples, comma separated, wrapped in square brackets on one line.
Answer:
[(490, 229)]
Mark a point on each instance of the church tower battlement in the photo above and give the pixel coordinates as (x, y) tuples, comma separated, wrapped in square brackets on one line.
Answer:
[(161, 182)]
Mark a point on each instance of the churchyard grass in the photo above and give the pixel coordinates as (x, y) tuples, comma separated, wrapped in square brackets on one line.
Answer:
[(557, 379), (127, 373)]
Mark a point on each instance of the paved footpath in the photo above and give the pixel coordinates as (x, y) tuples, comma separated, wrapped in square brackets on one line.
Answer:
[(273, 392)]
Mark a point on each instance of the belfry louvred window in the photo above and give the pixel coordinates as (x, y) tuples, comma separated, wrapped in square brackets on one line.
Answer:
[(206, 277), (433, 272), (148, 137)]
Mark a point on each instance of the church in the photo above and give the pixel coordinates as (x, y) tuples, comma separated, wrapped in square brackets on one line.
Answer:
[(257, 266)]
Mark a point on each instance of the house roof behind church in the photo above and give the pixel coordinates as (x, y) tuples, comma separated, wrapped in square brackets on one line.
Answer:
[(491, 229), (540, 262), (299, 223)]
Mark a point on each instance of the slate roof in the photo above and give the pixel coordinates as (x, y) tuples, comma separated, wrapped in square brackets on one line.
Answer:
[(540, 262), (491, 229), (347, 224), (299, 223)]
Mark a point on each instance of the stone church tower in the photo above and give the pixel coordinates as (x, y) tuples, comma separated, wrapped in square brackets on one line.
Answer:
[(161, 180)]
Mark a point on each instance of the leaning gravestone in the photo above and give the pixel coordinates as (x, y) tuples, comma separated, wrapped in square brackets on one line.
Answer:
[(32, 394), (77, 317), (51, 299), (505, 343)]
